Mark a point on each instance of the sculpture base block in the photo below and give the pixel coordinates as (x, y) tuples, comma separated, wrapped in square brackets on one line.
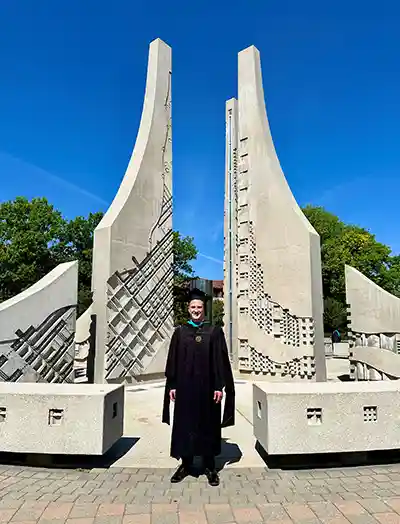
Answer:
[(64, 419), (330, 417)]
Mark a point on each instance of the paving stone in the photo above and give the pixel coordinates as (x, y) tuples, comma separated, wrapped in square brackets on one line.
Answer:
[(375, 506), (388, 518), (247, 515), (301, 513)]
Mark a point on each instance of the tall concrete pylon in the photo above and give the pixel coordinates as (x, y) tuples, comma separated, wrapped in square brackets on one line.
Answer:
[(132, 256), (273, 281)]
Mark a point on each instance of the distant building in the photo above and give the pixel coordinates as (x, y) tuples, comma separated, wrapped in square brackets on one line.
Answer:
[(218, 289)]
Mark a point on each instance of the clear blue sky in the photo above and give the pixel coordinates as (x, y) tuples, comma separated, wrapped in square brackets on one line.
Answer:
[(71, 92)]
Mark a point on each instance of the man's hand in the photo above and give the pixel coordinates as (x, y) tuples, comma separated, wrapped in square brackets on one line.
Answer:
[(217, 396), (172, 395)]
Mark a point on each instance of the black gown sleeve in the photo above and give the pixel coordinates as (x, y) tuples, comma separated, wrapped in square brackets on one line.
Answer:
[(170, 373), (223, 376)]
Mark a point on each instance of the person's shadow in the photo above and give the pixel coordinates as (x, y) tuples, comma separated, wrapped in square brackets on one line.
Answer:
[(230, 454)]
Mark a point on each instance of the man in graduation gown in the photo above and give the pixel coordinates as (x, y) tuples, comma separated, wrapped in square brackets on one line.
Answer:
[(198, 371)]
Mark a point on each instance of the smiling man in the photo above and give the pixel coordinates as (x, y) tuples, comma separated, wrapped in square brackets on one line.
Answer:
[(198, 373)]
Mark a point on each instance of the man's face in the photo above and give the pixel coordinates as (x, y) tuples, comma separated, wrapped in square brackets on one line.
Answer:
[(196, 310)]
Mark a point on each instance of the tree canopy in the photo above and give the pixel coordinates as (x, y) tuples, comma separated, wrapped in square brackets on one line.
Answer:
[(353, 245), (35, 238)]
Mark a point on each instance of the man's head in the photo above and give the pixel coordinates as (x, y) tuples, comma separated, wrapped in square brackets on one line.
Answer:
[(197, 305), (196, 310)]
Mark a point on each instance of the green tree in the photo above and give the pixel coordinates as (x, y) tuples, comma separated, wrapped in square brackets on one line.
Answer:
[(325, 223), (218, 313), (348, 244), (185, 252), (355, 247), (390, 279), (335, 315), (30, 234), (77, 244)]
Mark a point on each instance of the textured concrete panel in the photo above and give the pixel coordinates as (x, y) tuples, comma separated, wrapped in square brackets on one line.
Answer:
[(54, 416), (374, 329), (132, 261), (273, 282), (37, 329), (332, 417), (83, 341)]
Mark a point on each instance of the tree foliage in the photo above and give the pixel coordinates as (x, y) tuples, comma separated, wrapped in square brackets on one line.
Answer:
[(343, 244), (185, 252), (77, 244), (35, 238), (29, 236), (218, 313)]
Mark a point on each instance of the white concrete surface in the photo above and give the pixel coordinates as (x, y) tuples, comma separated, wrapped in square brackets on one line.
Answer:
[(143, 405), (275, 303), (68, 419), (132, 253), (332, 417), (37, 329), (143, 421), (374, 327)]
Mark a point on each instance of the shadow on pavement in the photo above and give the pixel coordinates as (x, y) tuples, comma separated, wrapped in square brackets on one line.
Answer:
[(86, 462), (329, 460), (230, 454)]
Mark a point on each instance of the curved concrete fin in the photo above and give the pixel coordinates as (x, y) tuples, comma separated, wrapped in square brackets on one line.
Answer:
[(279, 285), (373, 310), (133, 241), (374, 329), (37, 329)]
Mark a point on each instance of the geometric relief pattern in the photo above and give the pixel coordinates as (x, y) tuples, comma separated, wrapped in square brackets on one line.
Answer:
[(253, 361), (386, 341), (270, 317), (44, 353), (140, 307)]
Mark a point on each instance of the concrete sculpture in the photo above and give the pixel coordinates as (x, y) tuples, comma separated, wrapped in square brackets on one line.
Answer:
[(37, 329), (374, 329), (273, 283), (83, 344), (133, 245)]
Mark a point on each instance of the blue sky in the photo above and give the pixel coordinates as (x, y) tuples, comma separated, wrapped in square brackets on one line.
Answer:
[(71, 93)]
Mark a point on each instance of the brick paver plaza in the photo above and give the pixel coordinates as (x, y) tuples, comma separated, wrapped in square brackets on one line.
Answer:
[(361, 495)]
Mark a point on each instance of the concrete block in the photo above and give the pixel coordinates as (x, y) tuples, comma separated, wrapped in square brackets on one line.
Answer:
[(65, 419), (341, 349), (330, 417)]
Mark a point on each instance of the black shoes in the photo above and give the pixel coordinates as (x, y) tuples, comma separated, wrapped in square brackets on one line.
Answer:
[(181, 473), (212, 477)]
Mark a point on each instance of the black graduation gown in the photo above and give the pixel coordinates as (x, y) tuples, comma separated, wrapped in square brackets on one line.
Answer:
[(197, 365)]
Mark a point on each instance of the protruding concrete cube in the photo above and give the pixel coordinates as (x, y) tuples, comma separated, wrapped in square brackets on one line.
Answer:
[(330, 417), (65, 419)]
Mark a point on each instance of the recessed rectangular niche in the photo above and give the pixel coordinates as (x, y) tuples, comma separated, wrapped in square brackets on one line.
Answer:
[(370, 413), (314, 416), (56, 417), (3, 414), (259, 409)]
